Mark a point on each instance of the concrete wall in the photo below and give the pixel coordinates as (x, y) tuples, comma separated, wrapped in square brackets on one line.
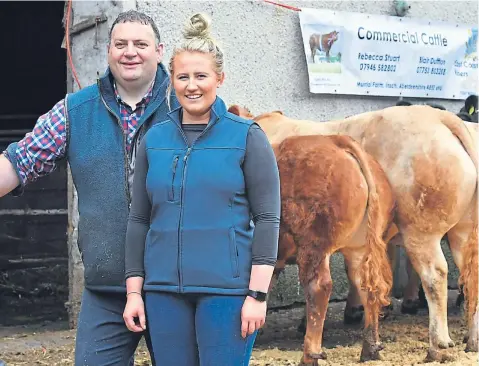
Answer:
[(265, 62)]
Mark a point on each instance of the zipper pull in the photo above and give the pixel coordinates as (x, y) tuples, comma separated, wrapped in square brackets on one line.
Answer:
[(175, 162), (187, 153)]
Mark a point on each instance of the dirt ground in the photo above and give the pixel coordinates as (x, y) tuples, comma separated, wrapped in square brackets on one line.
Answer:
[(405, 338)]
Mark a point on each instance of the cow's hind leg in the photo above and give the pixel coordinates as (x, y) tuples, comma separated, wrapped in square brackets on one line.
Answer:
[(429, 262), (411, 301), (354, 309), (317, 292), (371, 343), (458, 237), (473, 333)]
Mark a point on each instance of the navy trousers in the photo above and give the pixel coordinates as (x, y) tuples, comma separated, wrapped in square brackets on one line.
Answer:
[(197, 329), (102, 336)]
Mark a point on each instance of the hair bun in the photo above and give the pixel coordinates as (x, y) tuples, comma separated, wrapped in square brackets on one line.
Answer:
[(198, 26)]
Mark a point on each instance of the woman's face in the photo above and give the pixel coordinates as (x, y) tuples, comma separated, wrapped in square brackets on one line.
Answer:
[(195, 82)]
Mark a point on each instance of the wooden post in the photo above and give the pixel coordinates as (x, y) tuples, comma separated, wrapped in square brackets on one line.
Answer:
[(75, 265)]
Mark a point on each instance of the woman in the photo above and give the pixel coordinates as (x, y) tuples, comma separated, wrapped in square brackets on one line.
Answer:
[(201, 178)]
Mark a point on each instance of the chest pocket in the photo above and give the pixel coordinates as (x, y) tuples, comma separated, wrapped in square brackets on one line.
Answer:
[(165, 174)]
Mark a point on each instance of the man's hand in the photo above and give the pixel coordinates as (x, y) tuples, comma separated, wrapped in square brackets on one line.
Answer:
[(135, 309), (253, 316)]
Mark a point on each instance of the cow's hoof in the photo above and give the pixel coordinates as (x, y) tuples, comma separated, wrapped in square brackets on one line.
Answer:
[(353, 315), (370, 352), (446, 344), (438, 356), (311, 363), (410, 307), (471, 346), (319, 356), (313, 359), (302, 326)]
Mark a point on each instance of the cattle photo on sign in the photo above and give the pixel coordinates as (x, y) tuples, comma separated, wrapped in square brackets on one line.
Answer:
[(324, 45), (430, 160)]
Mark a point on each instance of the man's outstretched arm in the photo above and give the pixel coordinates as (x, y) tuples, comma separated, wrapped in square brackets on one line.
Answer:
[(8, 176), (36, 154)]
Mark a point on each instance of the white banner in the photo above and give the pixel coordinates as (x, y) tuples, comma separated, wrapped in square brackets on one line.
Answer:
[(363, 54)]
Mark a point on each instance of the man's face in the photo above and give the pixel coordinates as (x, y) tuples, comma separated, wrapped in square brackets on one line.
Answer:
[(133, 54)]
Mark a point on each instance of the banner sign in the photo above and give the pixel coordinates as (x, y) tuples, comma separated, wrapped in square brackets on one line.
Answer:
[(363, 54)]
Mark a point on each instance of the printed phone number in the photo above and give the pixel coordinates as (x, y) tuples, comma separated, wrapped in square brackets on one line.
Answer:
[(377, 67), (430, 70)]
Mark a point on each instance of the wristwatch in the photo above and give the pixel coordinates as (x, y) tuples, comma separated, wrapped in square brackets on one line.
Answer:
[(257, 295)]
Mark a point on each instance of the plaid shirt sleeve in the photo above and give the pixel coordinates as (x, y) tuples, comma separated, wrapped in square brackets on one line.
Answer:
[(35, 155)]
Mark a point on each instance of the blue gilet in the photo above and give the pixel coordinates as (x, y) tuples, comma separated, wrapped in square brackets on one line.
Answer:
[(201, 232), (101, 169)]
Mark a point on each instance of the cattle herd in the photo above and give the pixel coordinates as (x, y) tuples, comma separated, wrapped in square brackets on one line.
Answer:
[(404, 175)]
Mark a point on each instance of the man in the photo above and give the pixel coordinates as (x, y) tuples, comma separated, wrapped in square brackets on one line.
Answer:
[(97, 130)]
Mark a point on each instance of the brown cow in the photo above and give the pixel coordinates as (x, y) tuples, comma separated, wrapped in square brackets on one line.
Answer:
[(431, 162), (335, 198), (322, 43)]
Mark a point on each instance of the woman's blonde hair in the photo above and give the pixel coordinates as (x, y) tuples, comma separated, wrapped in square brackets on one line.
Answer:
[(197, 38)]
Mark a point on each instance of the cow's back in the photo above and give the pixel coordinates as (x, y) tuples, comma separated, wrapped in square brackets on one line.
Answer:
[(432, 174)]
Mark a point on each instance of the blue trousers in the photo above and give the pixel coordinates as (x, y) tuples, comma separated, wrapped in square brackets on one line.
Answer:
[(197, 329), (102, 336)]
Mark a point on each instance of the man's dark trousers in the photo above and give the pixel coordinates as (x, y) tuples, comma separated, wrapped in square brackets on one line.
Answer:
[(102, 336)]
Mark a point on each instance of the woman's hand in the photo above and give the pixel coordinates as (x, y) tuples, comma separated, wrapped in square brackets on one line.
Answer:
[(253, 316), (135, 309)]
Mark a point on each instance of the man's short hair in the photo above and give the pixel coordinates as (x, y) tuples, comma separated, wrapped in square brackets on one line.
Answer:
[(133, 16)]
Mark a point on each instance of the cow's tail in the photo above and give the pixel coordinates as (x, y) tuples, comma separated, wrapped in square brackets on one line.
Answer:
[(469, 272), (375, 269)]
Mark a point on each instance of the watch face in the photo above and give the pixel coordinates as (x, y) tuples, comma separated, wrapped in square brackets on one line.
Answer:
[(258, 295)]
